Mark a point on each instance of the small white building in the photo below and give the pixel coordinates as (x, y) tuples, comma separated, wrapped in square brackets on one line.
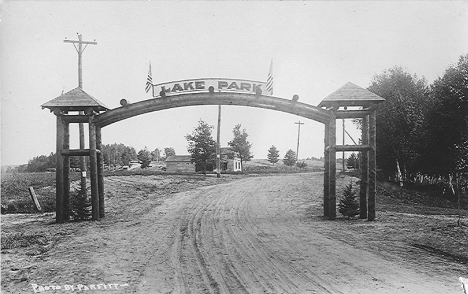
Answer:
[(229, 160)]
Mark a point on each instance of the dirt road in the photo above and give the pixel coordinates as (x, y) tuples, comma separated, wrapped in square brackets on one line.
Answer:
[(253, 235), (261, 235)]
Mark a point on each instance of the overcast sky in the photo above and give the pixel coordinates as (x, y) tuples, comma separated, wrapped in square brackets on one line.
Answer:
[(316, 47)]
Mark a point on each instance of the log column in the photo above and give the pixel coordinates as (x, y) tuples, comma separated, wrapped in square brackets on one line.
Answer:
[(59, 207), (372, 165), (326, 174), (100, 171), (332, 166), (66, 172), (364, 169), (93, 167)]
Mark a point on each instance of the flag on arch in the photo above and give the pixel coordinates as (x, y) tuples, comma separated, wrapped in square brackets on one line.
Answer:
[(269, 85), (149, 80)]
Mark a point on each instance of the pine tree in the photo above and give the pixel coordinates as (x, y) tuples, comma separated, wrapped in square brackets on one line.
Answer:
[(80, 205), (240, 144), (348, 205), (144, 156), (289, 158), (273, 154)]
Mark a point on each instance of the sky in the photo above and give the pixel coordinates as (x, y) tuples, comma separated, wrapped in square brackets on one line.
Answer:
[(316, 47)]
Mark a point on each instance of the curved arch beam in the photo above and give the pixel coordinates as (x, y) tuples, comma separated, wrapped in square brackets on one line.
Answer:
[(267, 102)]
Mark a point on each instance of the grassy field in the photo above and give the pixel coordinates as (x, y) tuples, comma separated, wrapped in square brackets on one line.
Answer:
[(15, 194)]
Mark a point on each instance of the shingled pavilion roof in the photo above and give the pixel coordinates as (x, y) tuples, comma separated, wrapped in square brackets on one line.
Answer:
[(351, 95), (75, 100)]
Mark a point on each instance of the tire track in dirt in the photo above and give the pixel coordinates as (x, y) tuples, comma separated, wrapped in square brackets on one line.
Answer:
[(257, 235)]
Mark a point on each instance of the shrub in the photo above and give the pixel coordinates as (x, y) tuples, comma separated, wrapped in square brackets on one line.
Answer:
[(349, 205), (80, 205)]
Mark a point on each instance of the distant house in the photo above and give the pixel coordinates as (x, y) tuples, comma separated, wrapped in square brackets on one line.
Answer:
[(180, 164), (229, 160)]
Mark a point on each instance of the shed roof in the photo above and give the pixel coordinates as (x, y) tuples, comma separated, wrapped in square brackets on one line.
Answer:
[(351, 95), (75, 100), (179, 158)]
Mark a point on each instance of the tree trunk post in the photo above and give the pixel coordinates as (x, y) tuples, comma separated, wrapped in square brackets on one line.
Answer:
[(66, 172), (218, 147), (100, 172), (326, 174), (332, 164), (372, 166), (59, 170), (82, 158), (364, 169), (93, 169)]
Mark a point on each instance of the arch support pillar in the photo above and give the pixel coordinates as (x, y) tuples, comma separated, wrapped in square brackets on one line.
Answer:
[(326, 173), (332, 166), (93, 170), (364, 169), (372, 165), (62, 174)]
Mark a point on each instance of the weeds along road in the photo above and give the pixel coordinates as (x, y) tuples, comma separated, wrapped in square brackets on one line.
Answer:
[(260, 235)]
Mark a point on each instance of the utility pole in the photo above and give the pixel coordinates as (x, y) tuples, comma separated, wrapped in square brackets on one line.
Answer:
[(218, 146), (298, 136), (80, 51)]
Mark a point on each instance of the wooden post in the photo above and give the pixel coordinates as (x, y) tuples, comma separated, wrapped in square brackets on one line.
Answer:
[(93, 169), (34, 199), (332, 163), (100, 172), (343, 167), (372, 166), (326, 174), (66, 172), (59, 170), (82, 158), (218, 146), (364, 169)]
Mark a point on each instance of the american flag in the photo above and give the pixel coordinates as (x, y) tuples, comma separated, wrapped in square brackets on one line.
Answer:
[(269, 85), (149, 80)]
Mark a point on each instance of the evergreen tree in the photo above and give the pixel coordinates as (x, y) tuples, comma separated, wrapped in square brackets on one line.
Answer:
[(273, 154), (240, 144), (201, 145), (349, 205), (144, 156), (353, 161), (80, 205), (289, 158)]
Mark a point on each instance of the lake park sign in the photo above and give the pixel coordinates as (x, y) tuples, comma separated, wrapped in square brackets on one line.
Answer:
[(210, 84)]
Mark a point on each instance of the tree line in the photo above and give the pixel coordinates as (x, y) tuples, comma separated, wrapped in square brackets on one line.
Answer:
[(114, 155), (422, 130)]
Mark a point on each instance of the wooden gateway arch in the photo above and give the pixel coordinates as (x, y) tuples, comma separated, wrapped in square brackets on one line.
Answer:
[(349, 101)]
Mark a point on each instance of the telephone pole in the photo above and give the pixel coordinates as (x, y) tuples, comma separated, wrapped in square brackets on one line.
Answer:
[(298, 136), (80, 51)]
